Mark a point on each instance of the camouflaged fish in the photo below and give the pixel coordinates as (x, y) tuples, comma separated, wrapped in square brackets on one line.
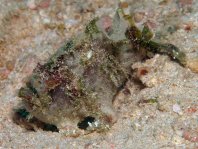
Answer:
[(74, 90)]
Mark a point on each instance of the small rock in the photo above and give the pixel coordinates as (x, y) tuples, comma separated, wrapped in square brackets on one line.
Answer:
[(190, 135), (177, 140), (31, 4), (10, 65), (191, 110), (177, 109), (46, 20), (71, 22), (4, 73), (193, 64), (44, 4)]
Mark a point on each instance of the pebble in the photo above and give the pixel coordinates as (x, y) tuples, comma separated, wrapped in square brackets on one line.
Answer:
[(44, 4), (190, 135), (70, 22), (191, 110), (4, 73), (193, 64), (177, 140), (31, 4), (10, 65), (46, 20), (177, 109)]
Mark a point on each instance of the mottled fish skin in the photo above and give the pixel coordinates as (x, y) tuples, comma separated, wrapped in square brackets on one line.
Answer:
[(78, 81), (81, 79)]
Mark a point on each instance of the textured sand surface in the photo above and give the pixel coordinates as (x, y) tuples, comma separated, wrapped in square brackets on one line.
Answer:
[(160, 110)]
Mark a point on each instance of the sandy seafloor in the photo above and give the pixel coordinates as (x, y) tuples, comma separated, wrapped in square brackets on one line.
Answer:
[(32, 30)]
